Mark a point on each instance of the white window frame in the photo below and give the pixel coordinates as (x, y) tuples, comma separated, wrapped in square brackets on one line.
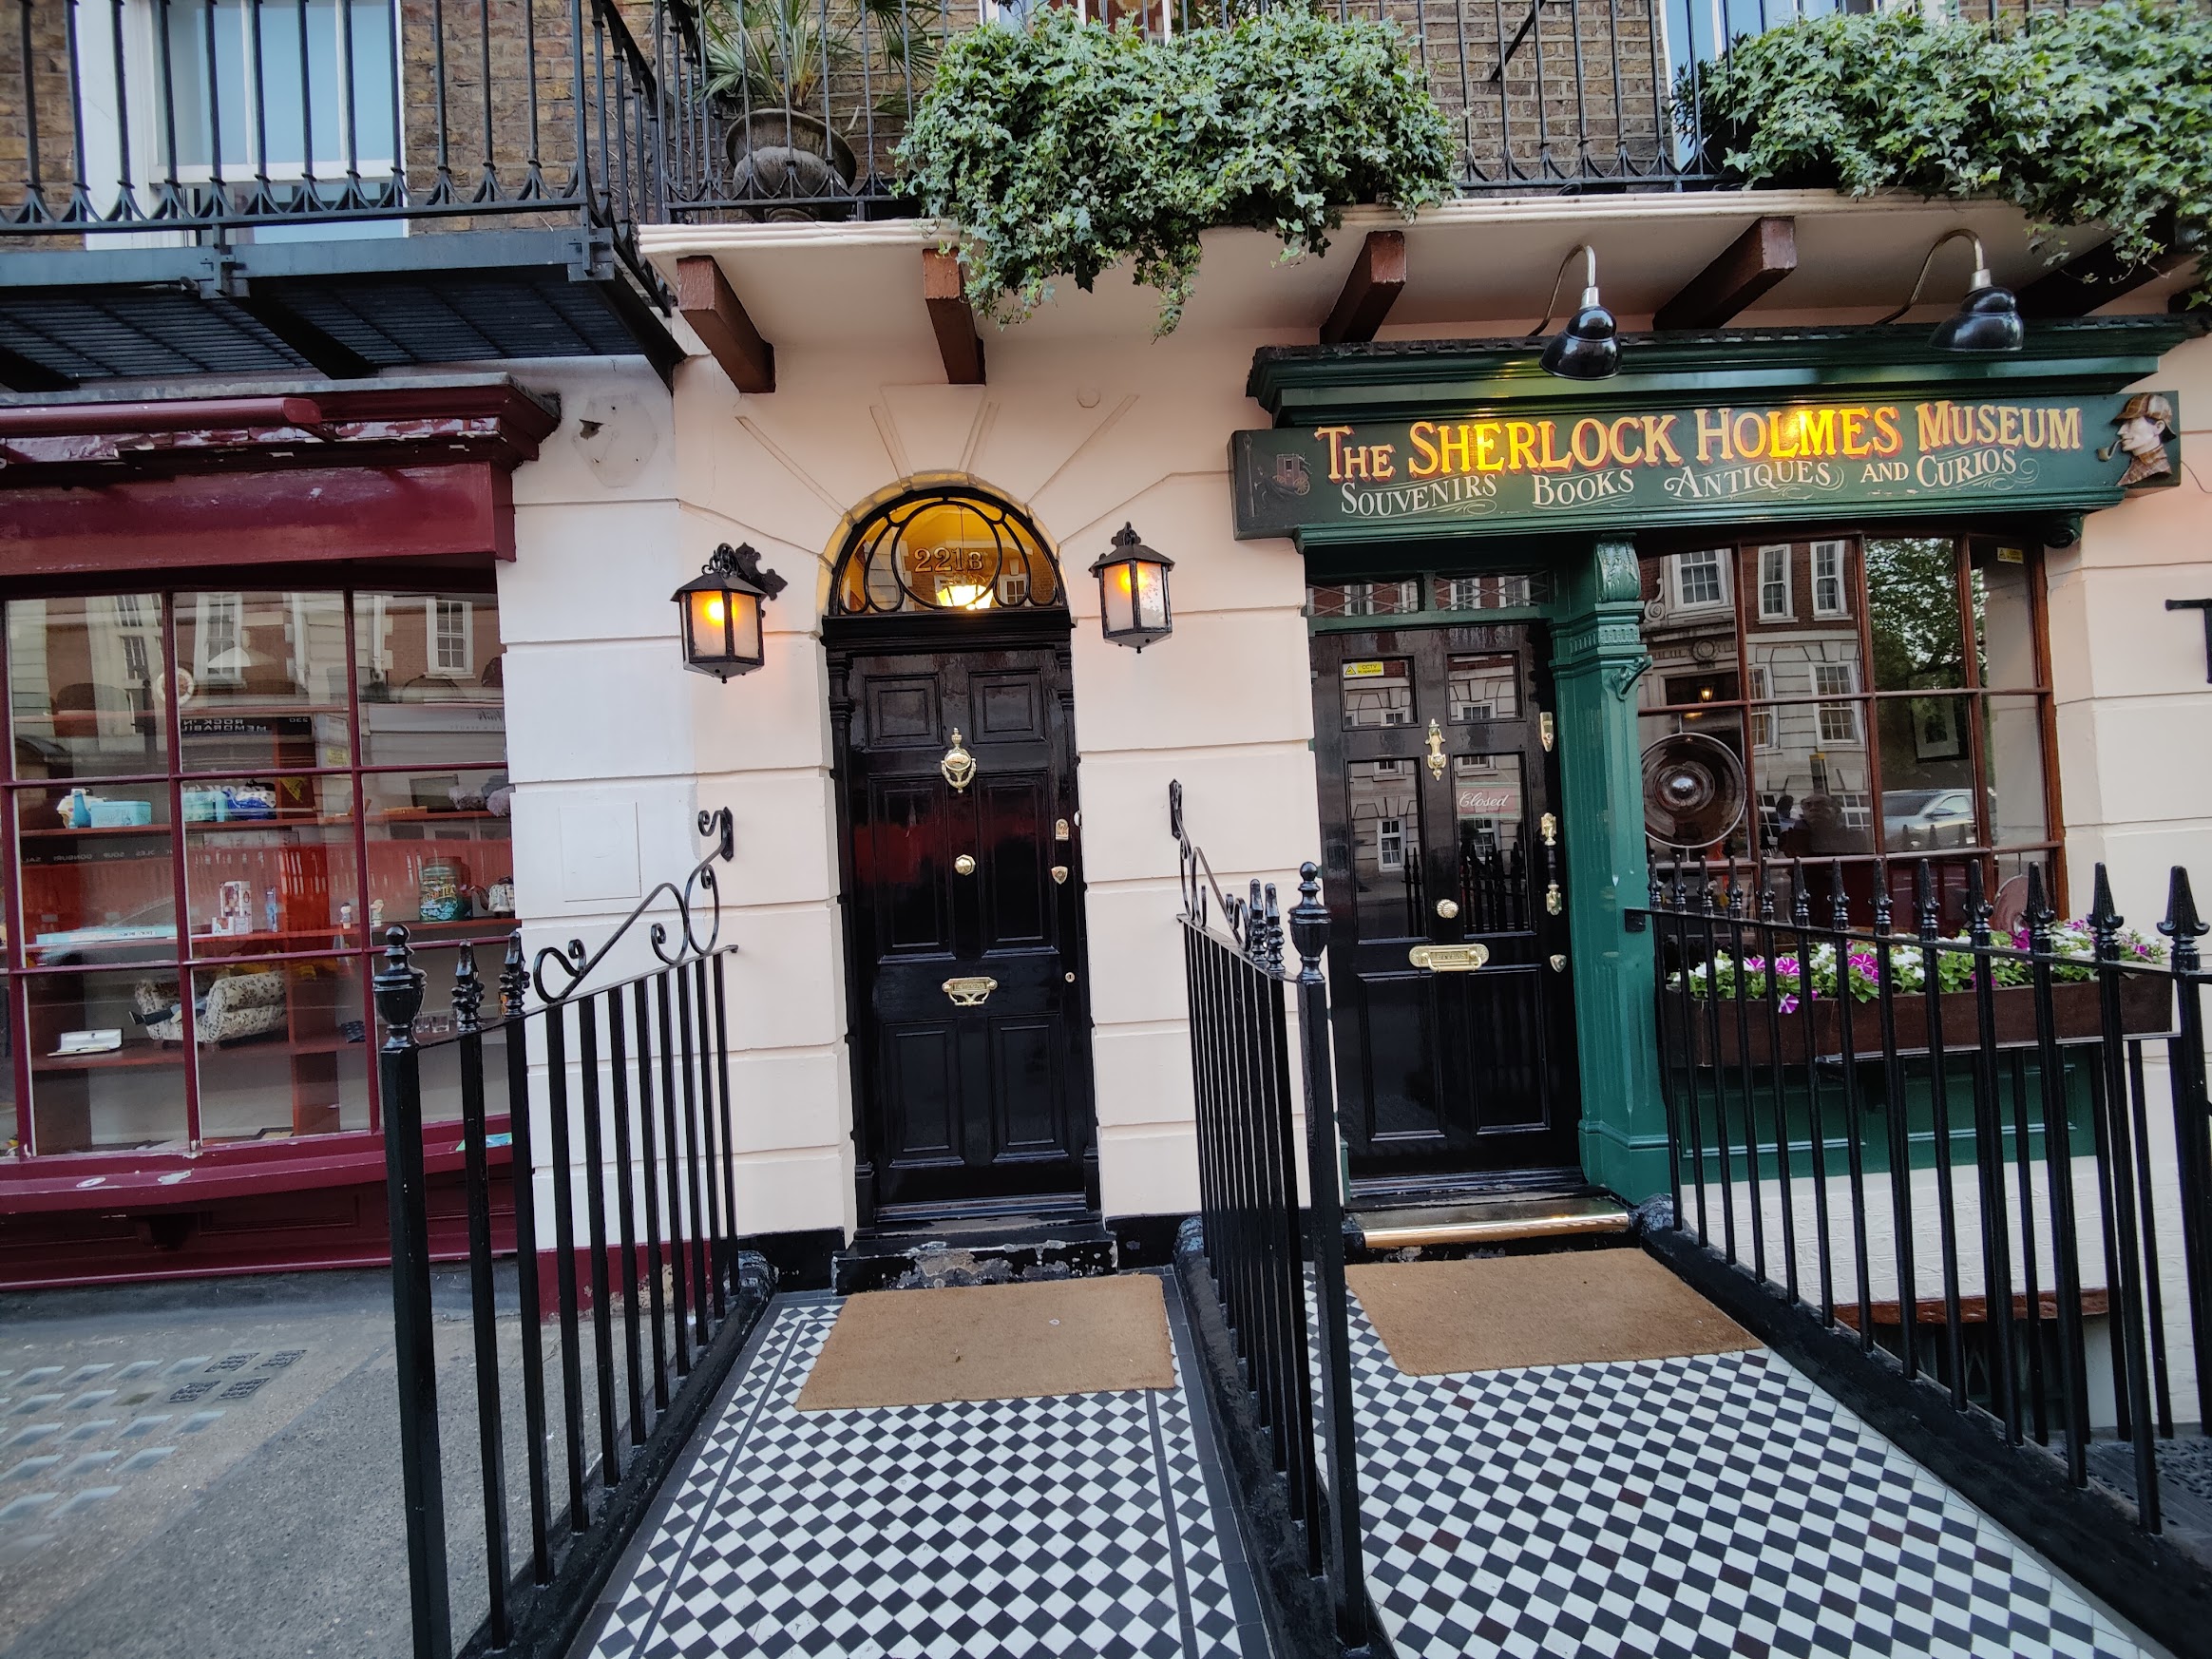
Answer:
[(1678, 569), (143, 58), (434, 637), (1770, 579), (1838, 551)]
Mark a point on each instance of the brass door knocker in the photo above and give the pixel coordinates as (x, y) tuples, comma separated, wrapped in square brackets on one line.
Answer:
[(1436, 749), (958, 766)]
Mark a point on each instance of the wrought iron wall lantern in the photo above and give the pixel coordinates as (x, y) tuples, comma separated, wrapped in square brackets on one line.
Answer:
[(1133, 591), (1587, 347), (1988, 319), (722, 612)]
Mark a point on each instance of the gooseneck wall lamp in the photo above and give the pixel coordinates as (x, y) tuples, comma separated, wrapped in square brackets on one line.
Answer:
[(1587, 346), (1133, 591), (1988, 319), (720, 609)]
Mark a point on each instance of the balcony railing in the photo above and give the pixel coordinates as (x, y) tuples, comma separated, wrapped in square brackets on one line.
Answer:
[(150, 122)]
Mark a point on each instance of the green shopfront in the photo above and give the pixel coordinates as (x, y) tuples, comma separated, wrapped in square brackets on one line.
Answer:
[(1765, 603)]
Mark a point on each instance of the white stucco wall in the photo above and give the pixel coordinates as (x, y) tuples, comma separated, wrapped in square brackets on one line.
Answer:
[(613, 748), (2133, 709)]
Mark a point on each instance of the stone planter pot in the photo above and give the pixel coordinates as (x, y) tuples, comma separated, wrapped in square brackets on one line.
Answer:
[(790, 155), (2146, 1010)]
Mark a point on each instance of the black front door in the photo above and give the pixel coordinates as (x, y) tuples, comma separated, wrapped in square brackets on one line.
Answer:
[(1439, 829), (964, 903)]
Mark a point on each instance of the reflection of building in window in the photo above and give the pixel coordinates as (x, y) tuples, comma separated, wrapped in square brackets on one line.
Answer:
[(1700, 578), (1830, 598), (1762, 720), (217, 657), (450, 636), (1838, 721), (1014, 587), (1390, 844), (1376, 694), (1774, 599)]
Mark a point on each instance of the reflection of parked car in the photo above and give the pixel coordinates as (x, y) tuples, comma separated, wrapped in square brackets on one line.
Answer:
[(1918, 818)]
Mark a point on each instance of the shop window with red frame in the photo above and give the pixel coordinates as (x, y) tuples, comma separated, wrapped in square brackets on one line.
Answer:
[(216, 801), (1886, 698)]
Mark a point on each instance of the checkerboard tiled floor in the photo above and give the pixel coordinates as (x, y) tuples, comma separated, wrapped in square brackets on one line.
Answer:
[(1720, 1505), (1079, 1524)]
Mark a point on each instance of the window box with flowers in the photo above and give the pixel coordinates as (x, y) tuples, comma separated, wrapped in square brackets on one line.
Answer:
[(1790, 1012)]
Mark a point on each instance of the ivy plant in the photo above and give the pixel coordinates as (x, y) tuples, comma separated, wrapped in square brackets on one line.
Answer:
[(1059, 147), (2101, 114)]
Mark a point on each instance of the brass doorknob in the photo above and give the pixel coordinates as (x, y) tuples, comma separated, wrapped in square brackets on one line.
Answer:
[(1447, 908), (965, 865)]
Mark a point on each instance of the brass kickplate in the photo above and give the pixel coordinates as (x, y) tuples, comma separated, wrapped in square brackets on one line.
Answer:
[(970, 993), (1449, 959)]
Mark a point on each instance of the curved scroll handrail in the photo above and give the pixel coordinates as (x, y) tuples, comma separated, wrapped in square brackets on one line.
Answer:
[(570, 964), (1255, 923)]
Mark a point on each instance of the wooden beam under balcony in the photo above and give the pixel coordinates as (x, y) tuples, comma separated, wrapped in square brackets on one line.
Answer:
[(709, 304), (1377, 277), (944, 292), (1751, 264), (2100, 276)]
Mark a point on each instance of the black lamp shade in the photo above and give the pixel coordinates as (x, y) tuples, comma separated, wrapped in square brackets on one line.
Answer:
[(1988, 319), (1586, 348), (1133, 591), (720, 611)]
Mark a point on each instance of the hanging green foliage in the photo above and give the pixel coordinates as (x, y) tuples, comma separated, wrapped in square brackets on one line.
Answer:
[(2102, 114), (1061, 147)]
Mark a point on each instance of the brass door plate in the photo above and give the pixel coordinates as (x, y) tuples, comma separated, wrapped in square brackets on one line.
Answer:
[(971, 992), (964, 865), (1449, 959)]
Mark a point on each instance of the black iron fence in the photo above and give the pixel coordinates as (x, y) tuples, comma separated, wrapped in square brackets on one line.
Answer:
[(1988, 1155), (1258, 1241), (638, 1071), (212, 117)]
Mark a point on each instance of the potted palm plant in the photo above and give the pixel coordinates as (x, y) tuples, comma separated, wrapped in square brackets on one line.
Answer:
[(799, 80)]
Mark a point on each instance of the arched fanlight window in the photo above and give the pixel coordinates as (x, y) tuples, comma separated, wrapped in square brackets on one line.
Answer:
[(944, 551)]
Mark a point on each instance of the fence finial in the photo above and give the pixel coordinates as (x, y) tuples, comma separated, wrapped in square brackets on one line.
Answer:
[(1800, 898), (2104, 923), (1309, 925), (399, 990), (2182, 924), (2040, 914), (1838, 904), (1272, 932), (1978, 908), (1928, 913), (514, 976), (1881, 896), (467, 992)]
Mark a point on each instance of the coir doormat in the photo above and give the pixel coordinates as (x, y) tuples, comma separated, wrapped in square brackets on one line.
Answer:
[(993, 1342), (1566, 1307)]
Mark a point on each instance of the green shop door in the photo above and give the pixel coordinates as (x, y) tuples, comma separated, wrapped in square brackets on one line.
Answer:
[(1446, 885)]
